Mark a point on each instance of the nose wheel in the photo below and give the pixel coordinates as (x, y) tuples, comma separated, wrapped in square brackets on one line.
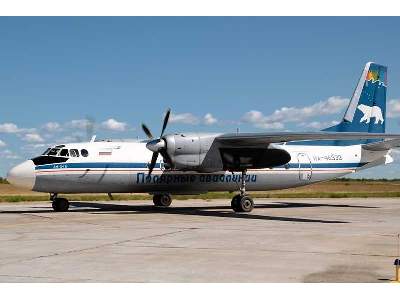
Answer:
[(162, 200), (59, 204), (242, 202)]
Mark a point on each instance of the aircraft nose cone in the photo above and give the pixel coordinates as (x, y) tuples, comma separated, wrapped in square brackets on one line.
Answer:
[(22, 175), (156, 145)]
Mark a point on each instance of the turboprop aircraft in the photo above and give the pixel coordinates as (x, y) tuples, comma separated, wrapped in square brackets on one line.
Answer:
[(192, 163)]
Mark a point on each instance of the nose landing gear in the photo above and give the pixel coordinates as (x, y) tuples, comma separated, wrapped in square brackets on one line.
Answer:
[(59, 204), (242, 202)]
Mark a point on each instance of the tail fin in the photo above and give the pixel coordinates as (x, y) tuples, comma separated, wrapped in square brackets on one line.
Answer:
[(367, 109)]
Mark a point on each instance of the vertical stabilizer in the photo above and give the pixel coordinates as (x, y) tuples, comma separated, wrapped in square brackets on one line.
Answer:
[(367, 108)]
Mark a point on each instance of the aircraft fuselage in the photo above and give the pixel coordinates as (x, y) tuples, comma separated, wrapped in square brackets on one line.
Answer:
[(113, 167)]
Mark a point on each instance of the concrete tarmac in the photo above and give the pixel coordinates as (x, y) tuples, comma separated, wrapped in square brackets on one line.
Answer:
[(282, 240)]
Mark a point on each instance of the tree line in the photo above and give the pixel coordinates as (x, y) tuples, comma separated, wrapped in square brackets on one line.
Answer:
[(3, 180)]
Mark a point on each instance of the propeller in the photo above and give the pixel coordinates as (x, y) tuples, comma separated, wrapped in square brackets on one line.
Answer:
[(157, 146)]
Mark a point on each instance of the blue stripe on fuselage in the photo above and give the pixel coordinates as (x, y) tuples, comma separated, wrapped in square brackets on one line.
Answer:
[(109, 165), (97, 165)]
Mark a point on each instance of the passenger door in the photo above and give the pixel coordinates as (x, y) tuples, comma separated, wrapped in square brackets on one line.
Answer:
[(305, 167)]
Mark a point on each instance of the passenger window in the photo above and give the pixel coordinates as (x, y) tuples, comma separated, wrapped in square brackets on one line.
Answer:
[(84, 153), (64, 152), (74, 152)]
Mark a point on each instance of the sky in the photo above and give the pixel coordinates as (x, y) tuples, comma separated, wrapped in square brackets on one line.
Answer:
[(217, 74)]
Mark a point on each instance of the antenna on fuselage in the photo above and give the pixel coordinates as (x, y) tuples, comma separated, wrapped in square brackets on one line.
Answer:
[(93, 139)]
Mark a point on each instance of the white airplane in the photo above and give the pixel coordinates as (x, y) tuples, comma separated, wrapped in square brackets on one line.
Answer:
[(192, 163)]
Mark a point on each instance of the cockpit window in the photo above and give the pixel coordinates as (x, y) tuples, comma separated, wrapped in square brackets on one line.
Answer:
[(84, 153), (64, 152), (53, 151), (47, 151), (74, 152)]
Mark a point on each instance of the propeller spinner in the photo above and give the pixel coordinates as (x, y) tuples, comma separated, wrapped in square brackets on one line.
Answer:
[(157, 146)]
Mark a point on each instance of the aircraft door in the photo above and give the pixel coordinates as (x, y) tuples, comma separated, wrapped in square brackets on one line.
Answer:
[(305, 167)]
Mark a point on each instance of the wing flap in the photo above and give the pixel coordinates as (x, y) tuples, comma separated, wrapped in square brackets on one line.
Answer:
[(382, 146)]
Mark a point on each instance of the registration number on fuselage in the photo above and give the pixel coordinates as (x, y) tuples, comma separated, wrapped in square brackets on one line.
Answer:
[(328, 157), (60, 166)]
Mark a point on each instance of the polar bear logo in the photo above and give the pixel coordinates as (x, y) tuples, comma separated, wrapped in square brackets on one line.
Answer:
[(371, 112)]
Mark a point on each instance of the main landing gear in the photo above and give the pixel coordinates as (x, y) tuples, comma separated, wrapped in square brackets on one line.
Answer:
[(242, 202), (162, 200), (59, 204)]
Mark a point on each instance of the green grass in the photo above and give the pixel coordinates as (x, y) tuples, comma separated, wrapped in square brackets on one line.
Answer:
[(207, 196)]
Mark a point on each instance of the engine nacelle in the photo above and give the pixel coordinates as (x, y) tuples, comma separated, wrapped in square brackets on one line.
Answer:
[(198, 152), (187, 151)]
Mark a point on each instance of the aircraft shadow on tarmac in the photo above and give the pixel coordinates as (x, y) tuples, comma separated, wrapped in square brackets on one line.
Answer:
[(210, 211)]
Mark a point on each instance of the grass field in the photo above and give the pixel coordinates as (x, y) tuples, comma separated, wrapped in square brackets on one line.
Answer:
[(331, 189)]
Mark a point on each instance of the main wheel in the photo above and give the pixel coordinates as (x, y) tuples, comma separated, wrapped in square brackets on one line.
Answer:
[(60, 204), (235, 202), (162, 200), (156, 199), (246, 204), (242, 203)]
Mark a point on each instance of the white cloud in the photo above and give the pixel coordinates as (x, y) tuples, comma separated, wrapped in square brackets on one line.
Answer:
[(284, 115), (78, 124), (8, 154), (112, 124), (209, 119), (2, 144), (293, 114), (13, 128), (319, 125), (35, 146), (393, 108), (191, 119), (70, 139), (52, 126), (33, 138), (259, 120), (9, 128), (184, 118)]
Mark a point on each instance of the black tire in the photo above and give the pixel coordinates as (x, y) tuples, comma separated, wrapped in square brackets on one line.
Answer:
[(60, 204), (235, 203), (165, 200), (162, 200), (242, 204), (156, 200), (246, 204)]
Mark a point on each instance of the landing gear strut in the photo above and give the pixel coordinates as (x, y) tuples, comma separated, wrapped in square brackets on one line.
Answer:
[(59, 204), (242, 202), (162, 200)]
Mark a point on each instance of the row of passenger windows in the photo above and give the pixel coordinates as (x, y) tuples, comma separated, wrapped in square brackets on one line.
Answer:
[(65, 152)]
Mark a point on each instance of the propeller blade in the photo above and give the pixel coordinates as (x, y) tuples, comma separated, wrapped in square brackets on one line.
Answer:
[(166, 118), (147, 131), (153, 162), (166, 157)]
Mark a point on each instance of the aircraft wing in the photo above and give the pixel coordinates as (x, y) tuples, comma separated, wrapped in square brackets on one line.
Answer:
[(264, 139), (382, 146)]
